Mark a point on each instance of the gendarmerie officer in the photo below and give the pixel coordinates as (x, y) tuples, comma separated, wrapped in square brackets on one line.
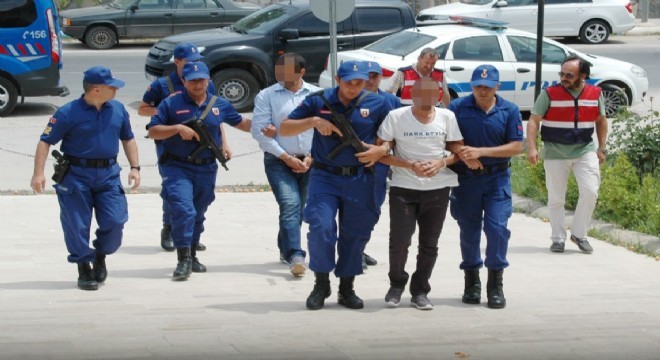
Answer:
[(90, 129), (189, 183), (340, 186)]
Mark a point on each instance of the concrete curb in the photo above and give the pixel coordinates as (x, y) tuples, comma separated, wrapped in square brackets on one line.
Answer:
[(610, 232)]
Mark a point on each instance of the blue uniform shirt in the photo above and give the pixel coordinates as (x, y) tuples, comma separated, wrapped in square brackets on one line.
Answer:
[(365, 120), (87, 133), (158, 90), (393, 100), (502, 125), (180, 108)]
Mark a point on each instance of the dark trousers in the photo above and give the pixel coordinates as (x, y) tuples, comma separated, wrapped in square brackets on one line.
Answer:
[(409, 208)]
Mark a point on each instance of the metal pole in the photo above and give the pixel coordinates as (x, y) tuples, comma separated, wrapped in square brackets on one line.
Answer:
[(333, 41), (539, 49), (645, 10)]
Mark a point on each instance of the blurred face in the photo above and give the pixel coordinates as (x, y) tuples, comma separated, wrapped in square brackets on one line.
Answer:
[(349, 90), (483, 93), (425, 64), (105, 92), (570, 76), (196, 88), (286, 75), (425, 93), (374, 81)]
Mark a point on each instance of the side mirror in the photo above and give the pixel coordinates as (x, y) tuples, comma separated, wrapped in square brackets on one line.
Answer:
[(289, 34), (134, 7), (501, 3)]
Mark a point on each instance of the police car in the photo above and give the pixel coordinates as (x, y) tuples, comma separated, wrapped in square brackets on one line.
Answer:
[(30, 52), (470, 42)]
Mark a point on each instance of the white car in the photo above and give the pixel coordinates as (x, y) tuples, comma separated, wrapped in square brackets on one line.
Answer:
[(464, 47), (591, 20)]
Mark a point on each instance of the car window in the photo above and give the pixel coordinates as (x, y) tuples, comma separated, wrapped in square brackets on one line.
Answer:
[(264, 20), (442, 50), (155, 4), (482, 48), (520, 2), (194, 4), (17, 13), (524, 48), (309, 25), (375, 19), (401, 43)]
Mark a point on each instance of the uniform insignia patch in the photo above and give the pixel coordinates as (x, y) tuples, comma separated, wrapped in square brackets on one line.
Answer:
[(364, 113), (484, 73), (216, 111), (47, 130), (325, 112), (184, 111), (52, 120)]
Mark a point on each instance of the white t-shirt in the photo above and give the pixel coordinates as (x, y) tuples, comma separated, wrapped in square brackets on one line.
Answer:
[(417, 141)]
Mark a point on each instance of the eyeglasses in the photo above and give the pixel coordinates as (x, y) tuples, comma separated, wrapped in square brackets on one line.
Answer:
[(569, 76)]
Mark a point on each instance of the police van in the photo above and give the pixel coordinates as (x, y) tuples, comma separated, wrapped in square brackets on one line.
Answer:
[(30, 52)]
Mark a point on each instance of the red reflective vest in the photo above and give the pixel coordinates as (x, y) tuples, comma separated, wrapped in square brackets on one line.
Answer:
[(570, 120), (410, 75)]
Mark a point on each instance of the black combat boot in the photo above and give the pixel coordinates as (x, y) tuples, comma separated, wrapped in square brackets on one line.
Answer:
[(472, 292), (321, 291), (184, 266), (197, 266), (346, 296), (166, 241), (86, 277), (494, 290), (100, 271)]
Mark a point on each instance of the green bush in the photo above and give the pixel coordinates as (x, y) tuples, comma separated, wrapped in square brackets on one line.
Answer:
[(638, 138)]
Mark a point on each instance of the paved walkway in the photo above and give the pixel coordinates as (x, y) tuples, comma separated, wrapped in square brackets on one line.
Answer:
[(560, 306)]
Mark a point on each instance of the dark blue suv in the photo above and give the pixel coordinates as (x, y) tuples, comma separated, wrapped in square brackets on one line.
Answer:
[(30, 52)]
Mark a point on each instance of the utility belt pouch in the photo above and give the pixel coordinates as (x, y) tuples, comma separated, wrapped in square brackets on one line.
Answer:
[(61, 166)]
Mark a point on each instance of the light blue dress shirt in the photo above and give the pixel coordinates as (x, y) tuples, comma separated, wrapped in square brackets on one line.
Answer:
[(272, 106)]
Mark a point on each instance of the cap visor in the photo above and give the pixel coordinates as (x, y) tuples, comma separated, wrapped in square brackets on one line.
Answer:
[(197, 75), (116, 83), (194, 57), (487, 83), (350, 77)]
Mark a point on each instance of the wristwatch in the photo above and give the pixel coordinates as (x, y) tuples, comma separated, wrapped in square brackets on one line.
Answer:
[(135, 167), (388, 149)]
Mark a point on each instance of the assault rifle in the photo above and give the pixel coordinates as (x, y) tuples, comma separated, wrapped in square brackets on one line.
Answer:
[(205, 138), (342, 123)]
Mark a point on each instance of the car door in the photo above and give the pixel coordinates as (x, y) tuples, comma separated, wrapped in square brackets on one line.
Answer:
[(193, 15), (313, 41), (524, 50), (150, 18), (520, 14), (466, 53), (373, 23), (564, 17)]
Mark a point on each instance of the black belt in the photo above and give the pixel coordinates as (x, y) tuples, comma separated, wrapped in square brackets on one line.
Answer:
[(340, 170), (198, 161), (485, 171), (91, 163)]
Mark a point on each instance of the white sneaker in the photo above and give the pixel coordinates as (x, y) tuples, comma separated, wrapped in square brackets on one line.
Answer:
[(297, 266)]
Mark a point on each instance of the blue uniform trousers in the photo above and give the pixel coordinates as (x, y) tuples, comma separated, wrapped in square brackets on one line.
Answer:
[(483, 201), (189, 190), (82, 191), (352, 199), (290, 190)]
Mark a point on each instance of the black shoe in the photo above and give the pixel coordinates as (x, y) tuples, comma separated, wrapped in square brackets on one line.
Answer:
[(166, 241), (494, 289), (100, 271), (184, 266), (369, 260), (557, 247), (472, 290), (364, 264), (86, 279), (346, 296), (583, 244), (201, 247), (197, 267), (321, 291)]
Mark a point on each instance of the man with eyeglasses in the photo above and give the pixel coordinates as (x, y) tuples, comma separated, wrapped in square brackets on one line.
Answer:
[(570, 112)]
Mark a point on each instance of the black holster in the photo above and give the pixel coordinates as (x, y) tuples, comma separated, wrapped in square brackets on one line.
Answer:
[(61, 166)]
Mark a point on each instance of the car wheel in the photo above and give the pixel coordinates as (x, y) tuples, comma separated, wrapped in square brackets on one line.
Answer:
[(100, 38), (8, 97), (594, 32), (237, 86), (615, 99)]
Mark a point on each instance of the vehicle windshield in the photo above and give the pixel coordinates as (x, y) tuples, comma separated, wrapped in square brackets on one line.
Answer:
[(264, 20), (476, 2), (122, 4), (401, 43)]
